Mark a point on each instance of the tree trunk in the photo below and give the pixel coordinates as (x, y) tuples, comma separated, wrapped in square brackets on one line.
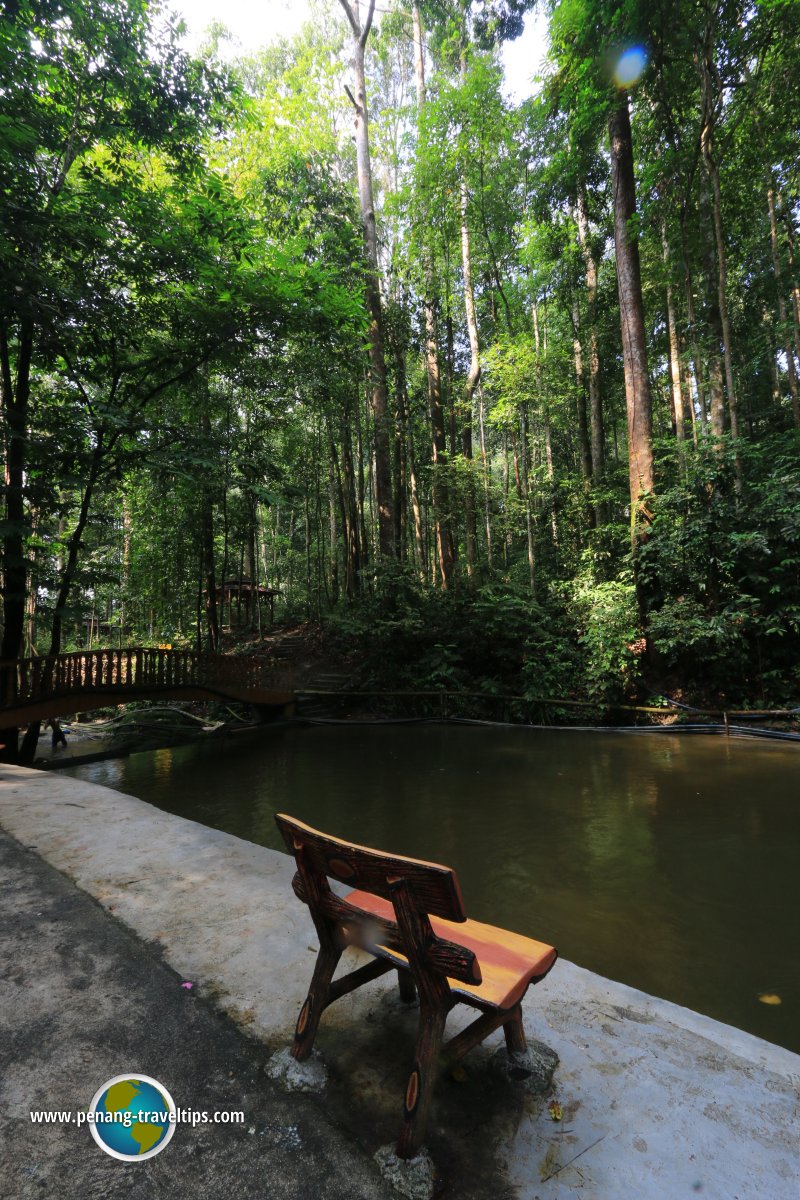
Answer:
[(529, 529), (487, 506), (401, 488), (28, 748), (73, 549), (634, 345), (708, 120), (15, 574), (15, 569), (782, 314), (251, 562), (598, 450), (674, 349), (399, 473), (361, 486), (207, 546), (473, 377), (541, 357), (445, 546), (691, 317), (419, 541), (332, 533), (769, 340), (790, 238), (338, 496), (440, 497), (419, 56), (377, 358), (584, 448), (716, 382), (690, 390), (351, 520), (508, 538), (29, 642), (127, 537), (450, 359), (722, 289)]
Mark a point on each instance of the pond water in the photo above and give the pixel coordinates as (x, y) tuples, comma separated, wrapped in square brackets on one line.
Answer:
[(668, 862)]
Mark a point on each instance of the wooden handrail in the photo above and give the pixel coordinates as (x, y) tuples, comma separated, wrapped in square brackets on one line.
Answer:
[(32, 680)]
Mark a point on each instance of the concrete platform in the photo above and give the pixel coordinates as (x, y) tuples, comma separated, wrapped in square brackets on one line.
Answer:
[(658, 1101), (82, 999)]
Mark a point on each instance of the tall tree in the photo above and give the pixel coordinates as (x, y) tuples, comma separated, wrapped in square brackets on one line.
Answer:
[(445, 545), (377, 357), (595, 394), (631, 306), (712, 99)]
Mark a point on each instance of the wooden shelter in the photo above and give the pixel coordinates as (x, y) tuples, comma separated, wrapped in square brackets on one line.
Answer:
[(249, 598)]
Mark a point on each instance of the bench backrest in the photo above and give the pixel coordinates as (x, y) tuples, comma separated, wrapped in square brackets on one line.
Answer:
[(433, 888), (420, 888)]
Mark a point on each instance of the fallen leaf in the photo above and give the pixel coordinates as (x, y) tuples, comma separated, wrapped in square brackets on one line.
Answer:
[(769, 998), (555, 1110)]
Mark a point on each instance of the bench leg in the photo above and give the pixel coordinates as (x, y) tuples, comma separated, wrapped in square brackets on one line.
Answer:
[(408, 992), (422, 1080), (310, 1013), (516, 1045), (515, 1032)]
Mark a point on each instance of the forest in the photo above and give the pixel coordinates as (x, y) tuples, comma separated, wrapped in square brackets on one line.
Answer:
[(503, 397)]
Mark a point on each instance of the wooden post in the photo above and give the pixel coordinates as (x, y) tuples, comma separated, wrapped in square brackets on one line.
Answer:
[(421, 1081), (516, 1045), (330, 951), (434, 1003), (314, 1006)]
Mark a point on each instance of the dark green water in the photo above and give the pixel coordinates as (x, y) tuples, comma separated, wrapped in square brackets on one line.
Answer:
[(670, 863)]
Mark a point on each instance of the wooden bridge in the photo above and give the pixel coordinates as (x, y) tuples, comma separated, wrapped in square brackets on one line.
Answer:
[(32, 689)]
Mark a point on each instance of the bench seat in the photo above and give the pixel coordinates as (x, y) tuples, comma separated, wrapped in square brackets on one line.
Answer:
[(509, 962)]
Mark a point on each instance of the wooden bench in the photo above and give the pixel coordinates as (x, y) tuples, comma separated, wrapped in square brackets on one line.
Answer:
[(409, 915)]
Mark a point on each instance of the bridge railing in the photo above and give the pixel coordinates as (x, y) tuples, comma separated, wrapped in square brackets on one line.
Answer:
[(28, 680)]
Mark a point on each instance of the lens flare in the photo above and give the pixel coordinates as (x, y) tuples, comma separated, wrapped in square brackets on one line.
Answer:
[(630, 66)]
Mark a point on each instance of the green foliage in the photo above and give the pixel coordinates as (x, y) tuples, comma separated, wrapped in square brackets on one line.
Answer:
[(610, 634), (495, 640), (731, 559), (184, 276)]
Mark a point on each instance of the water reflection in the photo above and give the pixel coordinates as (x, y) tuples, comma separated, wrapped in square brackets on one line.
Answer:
[(666, 862)]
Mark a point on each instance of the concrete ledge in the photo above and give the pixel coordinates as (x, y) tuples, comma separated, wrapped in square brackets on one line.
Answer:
[(657, 1101), (82, 999)]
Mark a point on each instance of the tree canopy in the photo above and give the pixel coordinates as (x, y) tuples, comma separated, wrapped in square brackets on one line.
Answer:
[(509, 392)]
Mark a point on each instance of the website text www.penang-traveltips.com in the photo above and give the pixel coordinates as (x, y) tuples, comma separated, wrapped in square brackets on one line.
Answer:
[(181, 1116)]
